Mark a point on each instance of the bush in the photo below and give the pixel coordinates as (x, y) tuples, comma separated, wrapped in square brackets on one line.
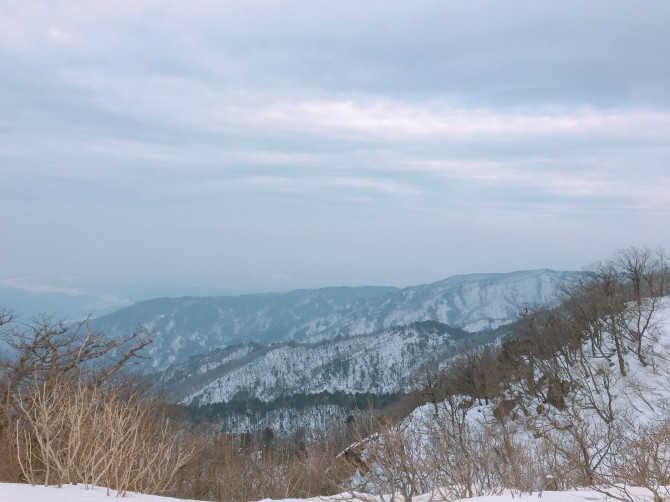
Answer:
[(86, 434)]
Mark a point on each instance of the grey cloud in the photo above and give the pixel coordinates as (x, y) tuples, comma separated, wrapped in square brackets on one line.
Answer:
[(387, 140)]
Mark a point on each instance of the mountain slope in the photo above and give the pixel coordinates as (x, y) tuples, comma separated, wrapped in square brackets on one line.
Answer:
[(384, 362), (186, 326), (473, 302), (192, 325)]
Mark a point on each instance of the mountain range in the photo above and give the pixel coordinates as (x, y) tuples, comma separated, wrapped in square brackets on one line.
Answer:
[(189, 326)]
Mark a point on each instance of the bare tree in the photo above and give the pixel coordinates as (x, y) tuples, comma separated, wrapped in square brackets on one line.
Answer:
[(636, 265), (46, 350), (44, 354)]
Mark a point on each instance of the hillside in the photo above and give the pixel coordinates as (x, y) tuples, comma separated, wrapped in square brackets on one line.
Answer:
[(183, 327), (576, 397), (385, 362), (593, 425)]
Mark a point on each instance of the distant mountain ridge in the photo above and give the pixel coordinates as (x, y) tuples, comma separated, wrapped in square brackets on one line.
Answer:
[(184, 327), (472, 302)]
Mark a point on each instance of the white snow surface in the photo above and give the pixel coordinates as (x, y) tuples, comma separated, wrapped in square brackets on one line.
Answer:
[(640, 494), (14, 492)]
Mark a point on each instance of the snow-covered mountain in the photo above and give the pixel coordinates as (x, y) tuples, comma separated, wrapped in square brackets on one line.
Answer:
[(314, 386), (379, 363), (186, 326), (183, 327), (472, 302)]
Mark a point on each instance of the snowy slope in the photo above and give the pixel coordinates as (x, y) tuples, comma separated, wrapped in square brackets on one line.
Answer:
[(604, 411), (639, 397), (378, 363), (15, 492), (186, 326), (473, 302)]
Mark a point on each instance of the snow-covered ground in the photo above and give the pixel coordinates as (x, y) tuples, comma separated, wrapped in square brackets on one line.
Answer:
[(13, 492), (639, 494)]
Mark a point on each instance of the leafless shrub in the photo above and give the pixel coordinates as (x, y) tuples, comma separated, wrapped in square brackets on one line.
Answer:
[(643, 459), (84, 434), (231, 468), (463, 461), (46, 351), (390, 462)]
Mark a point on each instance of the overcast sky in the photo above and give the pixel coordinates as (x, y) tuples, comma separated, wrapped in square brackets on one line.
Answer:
[(275, 144)]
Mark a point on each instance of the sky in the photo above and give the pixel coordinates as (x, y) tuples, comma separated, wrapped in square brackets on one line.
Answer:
[(160, 148)]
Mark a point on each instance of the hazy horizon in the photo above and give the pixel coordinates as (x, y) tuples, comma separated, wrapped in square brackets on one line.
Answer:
[(77, 297)]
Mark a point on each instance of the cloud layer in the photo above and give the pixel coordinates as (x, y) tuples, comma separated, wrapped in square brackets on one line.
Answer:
[(330, 142)]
